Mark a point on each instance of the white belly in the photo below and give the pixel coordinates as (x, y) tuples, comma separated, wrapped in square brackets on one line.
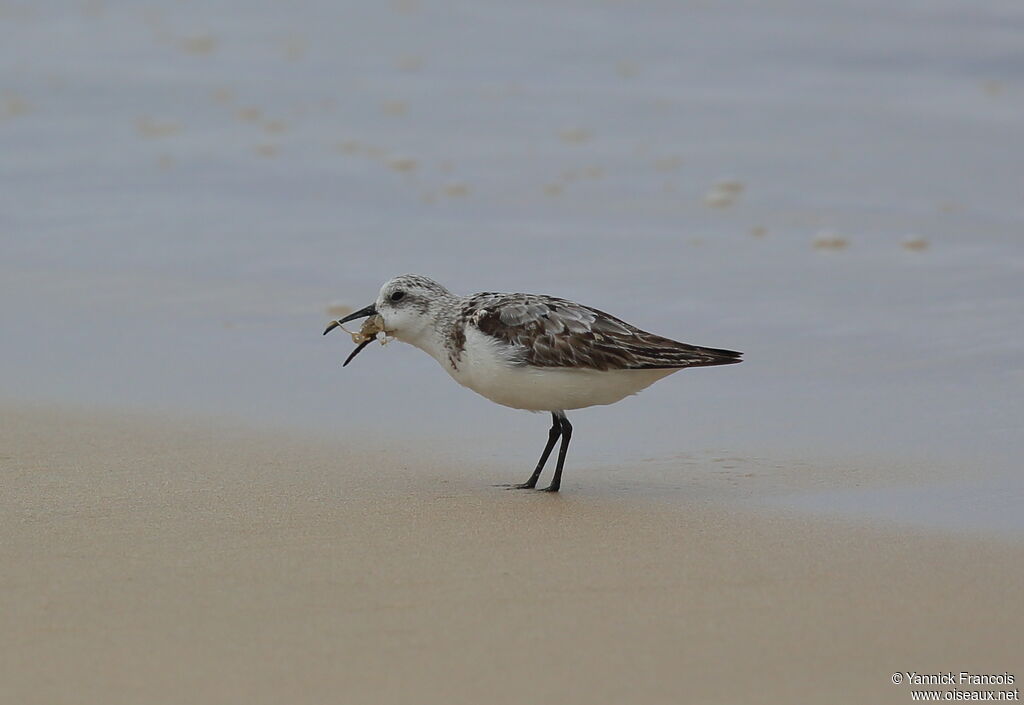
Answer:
[(482, 369)]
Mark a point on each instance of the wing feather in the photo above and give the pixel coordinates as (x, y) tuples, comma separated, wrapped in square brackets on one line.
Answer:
[(552, 332)]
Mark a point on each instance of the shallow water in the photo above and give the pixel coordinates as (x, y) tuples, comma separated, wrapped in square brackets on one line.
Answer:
[(187, 188)]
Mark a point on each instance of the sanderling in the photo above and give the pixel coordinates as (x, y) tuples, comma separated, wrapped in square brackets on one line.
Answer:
[(528, 351)]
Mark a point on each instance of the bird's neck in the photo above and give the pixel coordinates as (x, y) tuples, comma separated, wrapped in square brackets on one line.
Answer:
[(435, 337)]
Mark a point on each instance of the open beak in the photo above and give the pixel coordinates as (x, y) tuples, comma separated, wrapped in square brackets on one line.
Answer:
[(355, 352), (361, 313)]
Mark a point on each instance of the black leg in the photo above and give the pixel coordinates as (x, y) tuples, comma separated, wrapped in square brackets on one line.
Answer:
[(556, 481), (553, 434)]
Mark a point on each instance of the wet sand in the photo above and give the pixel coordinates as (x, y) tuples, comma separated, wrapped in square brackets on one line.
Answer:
[(161, 560)]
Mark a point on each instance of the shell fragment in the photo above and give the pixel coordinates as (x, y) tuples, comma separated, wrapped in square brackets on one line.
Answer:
[(367, 332)]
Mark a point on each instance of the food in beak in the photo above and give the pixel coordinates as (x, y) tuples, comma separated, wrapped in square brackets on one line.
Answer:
[(366, 334)]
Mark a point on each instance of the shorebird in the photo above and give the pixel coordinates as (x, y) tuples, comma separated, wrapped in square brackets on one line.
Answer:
[(528, 351)]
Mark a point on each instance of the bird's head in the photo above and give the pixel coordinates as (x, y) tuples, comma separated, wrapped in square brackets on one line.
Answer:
[(407, 305)]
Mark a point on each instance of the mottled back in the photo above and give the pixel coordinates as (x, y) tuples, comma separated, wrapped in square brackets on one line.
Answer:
[(553, 332)]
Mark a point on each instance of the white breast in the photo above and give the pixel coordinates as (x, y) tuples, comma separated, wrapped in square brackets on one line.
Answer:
[(484, 367)]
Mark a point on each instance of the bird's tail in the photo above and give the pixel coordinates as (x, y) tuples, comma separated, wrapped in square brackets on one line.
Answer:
[(673, 354), (708, 357)]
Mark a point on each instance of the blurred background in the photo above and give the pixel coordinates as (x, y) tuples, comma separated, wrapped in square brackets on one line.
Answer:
[(189, 191)]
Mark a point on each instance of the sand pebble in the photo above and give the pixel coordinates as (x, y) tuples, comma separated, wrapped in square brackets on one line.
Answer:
[(627, 69), (409, 63), (395, 107), (719, 199), (223, 95), (153, 128), (199, 45), (915, 244), (349, 147), (13, 106), (576, 135), (403, 164), (249, 114), (828, 240), (992, 87), (723, 193), (668, 163), (733, 186), (295, 48)]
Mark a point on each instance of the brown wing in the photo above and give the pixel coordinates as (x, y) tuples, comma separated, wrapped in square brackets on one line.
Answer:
[(551, 332)]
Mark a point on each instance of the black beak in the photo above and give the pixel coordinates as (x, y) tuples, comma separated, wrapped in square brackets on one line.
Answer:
[(361, 313), (356, 351)]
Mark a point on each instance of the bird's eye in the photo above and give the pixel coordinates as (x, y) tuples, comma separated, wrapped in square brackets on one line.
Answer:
[(397, 296)]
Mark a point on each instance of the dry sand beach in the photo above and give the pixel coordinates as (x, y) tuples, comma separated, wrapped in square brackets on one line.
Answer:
[(160, 561), (199, 505)]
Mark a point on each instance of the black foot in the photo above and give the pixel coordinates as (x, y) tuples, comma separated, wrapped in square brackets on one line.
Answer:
[(520, 486), (552, 488)]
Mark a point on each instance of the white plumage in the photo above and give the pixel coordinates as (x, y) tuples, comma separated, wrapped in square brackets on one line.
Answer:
[(486, 369), (529, 351)]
